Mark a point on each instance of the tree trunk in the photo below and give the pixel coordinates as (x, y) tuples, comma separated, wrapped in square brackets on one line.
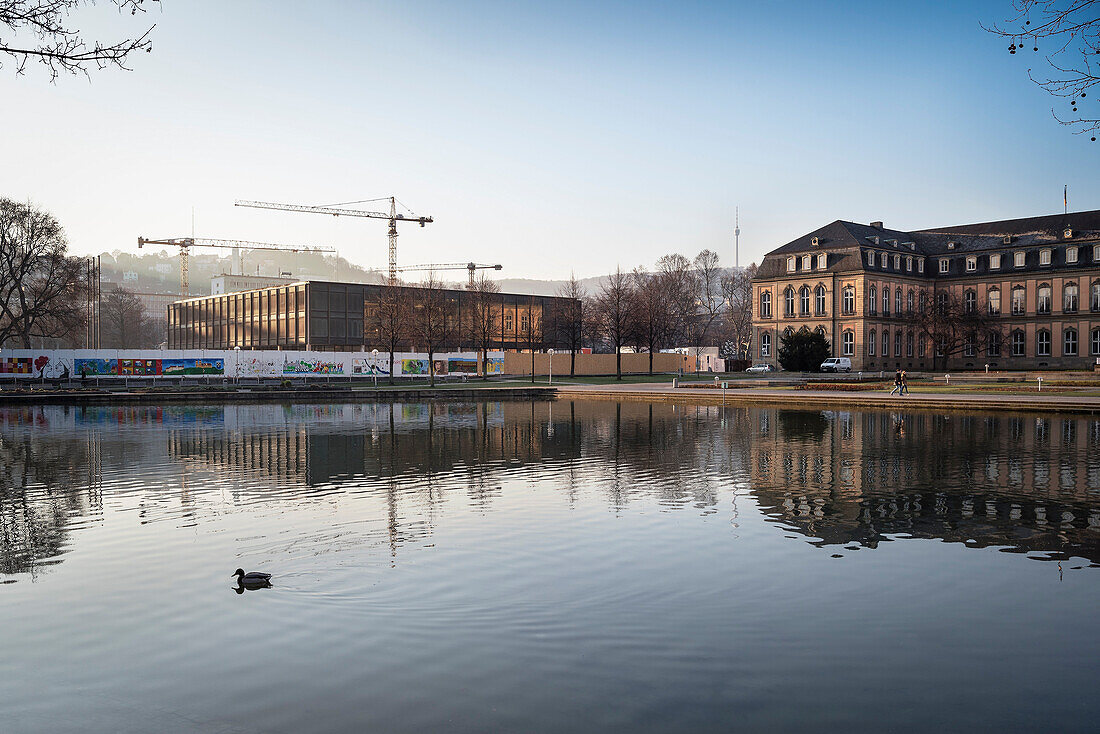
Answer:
[(484, 363), (651, 360), (532, 365), (618, 362), (431, 368), (391, 365), (572, 362)]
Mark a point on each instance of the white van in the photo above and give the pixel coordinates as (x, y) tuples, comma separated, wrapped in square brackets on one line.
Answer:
[(836, 364)]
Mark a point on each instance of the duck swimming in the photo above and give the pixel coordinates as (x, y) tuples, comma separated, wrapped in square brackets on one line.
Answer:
[(252, 579)]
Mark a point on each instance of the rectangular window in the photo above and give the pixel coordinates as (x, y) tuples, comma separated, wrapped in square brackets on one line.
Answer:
[(1096, 253), (897, 344), (1018, 259), (971, 264), (944, 265), (1042, 344), (821, 261), (1044, 257), (995, 262), (1071, 254)]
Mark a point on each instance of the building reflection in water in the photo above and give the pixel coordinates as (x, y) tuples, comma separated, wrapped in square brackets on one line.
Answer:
[(1027, 483), (837, 478)]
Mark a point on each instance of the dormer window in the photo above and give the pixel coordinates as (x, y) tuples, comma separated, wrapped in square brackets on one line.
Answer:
[(909, 264), (790, 264), (821, 260), (892, 243), (884, 260), (910, 245), (1044, 256), (897, 262), (1067, 233), (1071, 254), (945, 265), (920, 265), (1007, 239), (870, 258), (814, 242), (971, 264), (1096, 253), (1018, 258), (995, 261), (950, 245), (806, 262)]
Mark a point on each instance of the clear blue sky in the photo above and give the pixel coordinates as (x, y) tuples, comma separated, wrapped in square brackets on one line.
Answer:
[(557, 137)]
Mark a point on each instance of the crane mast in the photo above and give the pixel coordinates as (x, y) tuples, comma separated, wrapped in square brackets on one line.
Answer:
[(185, 243), (392, 216)]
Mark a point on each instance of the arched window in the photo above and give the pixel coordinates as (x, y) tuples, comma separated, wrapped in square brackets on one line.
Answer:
[(765, 344), (1094, 297), (1044, 299), (1042, 343), (993, 346), (1095, 342), (909, 344), (1019, 344), (766, 304), (848, 343), (1070, 296), (897, 302), (885, 301), (821, 330), (885, 342), (804, 300), (897, 343), (920, 346), (968, 345), (788, 302), (1069, 343), (994, 301), (849, 299), (970, 301), (872, 300), (910, 301), (1019, 301), (788, 333), (821, 300), (871, 343)]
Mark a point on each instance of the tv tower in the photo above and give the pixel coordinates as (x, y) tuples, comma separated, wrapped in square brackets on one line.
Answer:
[(736, 237)]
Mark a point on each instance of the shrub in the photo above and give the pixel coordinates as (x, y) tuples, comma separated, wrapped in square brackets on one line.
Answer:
[(803, 351)]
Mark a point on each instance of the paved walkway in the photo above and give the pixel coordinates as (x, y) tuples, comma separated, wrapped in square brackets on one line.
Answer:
[(834, 399)]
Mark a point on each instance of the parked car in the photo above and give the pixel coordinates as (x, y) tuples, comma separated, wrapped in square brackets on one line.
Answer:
[(836, 364), (762, 367)]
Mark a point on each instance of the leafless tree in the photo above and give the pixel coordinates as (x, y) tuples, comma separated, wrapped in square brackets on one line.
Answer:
[(43, 291), (708, 305), (952, 327), (123, 322), (678, 283), (1067, 34), (38, 30), (531, 331), (482, 317), (434, 319), (614, 313), (737, 295), (654, 319), (391, 319), (571, 319)]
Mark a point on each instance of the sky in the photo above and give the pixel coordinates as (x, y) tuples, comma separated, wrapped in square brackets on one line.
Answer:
[(549, 137)]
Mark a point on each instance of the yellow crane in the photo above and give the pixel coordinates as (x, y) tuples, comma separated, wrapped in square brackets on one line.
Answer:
[(471, 267), (186, 243), (337, 210)]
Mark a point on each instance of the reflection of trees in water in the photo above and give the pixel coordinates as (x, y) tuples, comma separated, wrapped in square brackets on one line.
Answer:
[(45, 481), (1026, 483)]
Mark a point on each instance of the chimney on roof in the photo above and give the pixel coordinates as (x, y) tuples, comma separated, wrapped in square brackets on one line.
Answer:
[(876, 225)]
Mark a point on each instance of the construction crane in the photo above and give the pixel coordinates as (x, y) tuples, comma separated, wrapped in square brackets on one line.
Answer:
[(337, 211), (471, 267), (186, 243)]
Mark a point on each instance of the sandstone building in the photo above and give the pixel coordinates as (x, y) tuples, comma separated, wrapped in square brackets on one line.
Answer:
[(861, 285)]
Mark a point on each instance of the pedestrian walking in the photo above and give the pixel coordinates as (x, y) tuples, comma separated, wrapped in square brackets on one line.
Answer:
[(904, 383), (897, 383)]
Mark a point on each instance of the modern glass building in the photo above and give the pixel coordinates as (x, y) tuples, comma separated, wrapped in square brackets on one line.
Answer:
[(330, 316)]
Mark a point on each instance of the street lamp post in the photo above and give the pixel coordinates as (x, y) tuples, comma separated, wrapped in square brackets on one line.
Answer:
[(374, 367), (551, 366)]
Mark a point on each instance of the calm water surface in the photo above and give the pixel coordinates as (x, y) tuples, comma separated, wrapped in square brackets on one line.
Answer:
[(537, 567)]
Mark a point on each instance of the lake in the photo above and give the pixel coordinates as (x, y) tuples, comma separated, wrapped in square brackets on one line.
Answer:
[(547, 567)]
